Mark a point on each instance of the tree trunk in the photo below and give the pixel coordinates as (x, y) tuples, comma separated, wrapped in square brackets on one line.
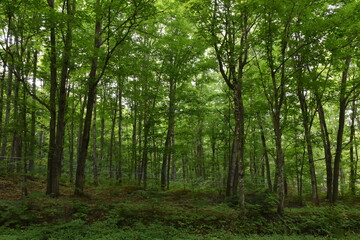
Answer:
[(266, 157), (353, 165), (91, 97), (33, 118), (62, 99), (9, 89), (133, 140), (340, 132), (240, 139), (112, 140), (327, 148), (119, 173), (94, 150), (307, 129), (53, 173), (170, 132), (16, 138), (71, 145)]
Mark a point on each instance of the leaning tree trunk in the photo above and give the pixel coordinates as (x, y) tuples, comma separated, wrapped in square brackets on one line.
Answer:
[(91, 97)]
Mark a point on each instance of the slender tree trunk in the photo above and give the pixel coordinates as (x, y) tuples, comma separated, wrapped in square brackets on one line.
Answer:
[(9, 89), (33, 118), (340, 132), (353, 164), (71, 145), (134, 142), (144, 160), (307, 129), (2, 87), (16, 138), (119, 175), (112, 140), (231, 171), (170, 132), (94, 150), (327, 148), (102, 141), (266, 157), (25, 144)]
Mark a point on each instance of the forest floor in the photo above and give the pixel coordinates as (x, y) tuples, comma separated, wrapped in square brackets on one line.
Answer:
[(130, 212)]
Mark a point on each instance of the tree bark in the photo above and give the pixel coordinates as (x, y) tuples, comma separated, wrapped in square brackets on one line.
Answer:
[(307, 129), (353, 163), (94, 150), (91, 97), (170, 132), (52, 187), (266, 157), (327, 148), (340, 132)]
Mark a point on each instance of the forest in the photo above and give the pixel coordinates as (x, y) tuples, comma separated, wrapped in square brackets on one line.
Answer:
[(179, 119)]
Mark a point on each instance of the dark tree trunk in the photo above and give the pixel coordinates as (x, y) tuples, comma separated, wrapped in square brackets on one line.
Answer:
[(353, 163), (32, 146), (119, 172), (340, 132), (266, 157), (62, 102), (71, 145), (9, 89), (112, 140), (327, 148), (94, 150), (169, 135), (16, 138), (133, 140), (307, 128), (91, 97)]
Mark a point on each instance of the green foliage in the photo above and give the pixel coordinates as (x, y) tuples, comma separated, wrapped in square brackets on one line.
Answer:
[(17, 213)]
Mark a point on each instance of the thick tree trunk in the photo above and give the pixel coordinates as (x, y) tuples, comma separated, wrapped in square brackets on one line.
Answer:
[(279, 161), (340, 132), (52, 174), (62, 99), (240, 140)]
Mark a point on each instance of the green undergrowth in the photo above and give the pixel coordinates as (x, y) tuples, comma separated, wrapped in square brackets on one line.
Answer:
[(133, 213)]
